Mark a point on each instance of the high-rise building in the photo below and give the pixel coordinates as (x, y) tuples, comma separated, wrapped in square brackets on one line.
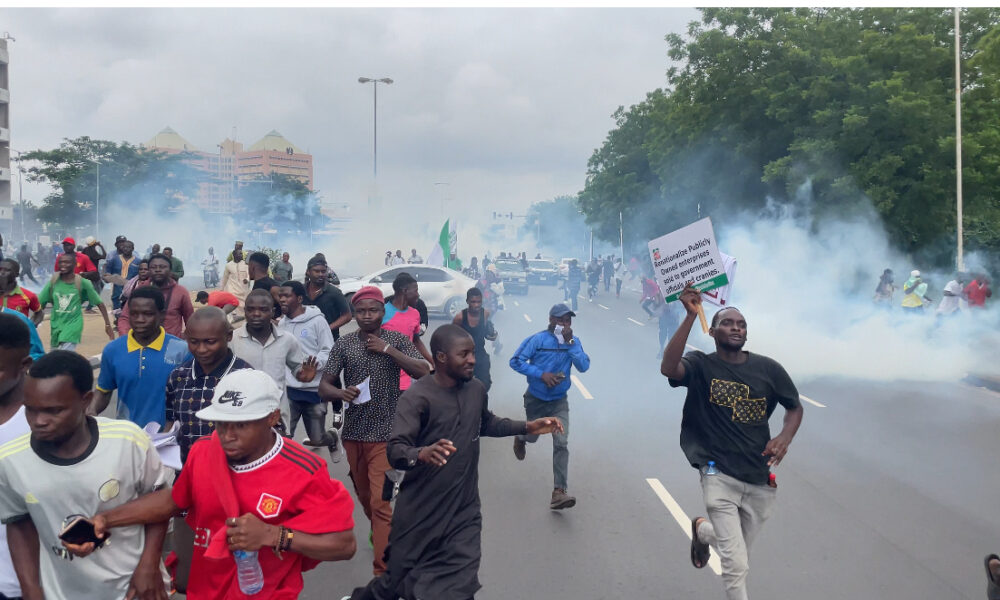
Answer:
[(6, 210), (232, 167)]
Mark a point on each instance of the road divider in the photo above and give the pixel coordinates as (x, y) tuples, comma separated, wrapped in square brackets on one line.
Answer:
[(583, 389), (681, 517)]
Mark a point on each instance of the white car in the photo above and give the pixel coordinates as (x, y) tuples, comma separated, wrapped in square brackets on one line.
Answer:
[(442, 290)]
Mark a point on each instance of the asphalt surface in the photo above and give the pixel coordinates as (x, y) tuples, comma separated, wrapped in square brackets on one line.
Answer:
[(888, 491)]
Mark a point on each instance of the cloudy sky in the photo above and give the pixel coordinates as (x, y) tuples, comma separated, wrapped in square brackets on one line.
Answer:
[(505, 106)]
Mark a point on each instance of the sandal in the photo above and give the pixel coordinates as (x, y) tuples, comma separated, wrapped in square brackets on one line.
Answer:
[(700, 551), (992, 586)]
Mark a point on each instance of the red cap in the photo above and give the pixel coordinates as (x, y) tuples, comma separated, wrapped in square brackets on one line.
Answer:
[(69, 240), (369, 292)]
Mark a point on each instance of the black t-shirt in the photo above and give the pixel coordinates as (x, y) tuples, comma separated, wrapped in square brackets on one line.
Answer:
[(266, 284), (727, 409), (332, 303)]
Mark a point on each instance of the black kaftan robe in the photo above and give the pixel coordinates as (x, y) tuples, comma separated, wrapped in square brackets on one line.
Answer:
[(434, 545)]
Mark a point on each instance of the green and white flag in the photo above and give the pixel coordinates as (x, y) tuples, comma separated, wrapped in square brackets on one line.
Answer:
[(445, 252)]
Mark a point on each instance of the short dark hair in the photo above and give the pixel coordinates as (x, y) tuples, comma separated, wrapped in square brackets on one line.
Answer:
[(401, 282), (201, 296), (259, 258), (444, 336), (161, 256), (151, 292), (165, 248), (260, 293), (64, 362), (14, 333), (718, 314), (473, 292), (15, 267), (297, 288)]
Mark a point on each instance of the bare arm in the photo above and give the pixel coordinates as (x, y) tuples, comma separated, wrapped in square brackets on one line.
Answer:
[(342, 320), (419, 343), (414, 367), (156, 507), (777, 447), (338, 545), (671, 365), (22, 538), (38, 316), (100, 402)]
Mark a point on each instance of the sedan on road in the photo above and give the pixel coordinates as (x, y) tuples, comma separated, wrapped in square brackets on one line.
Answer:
[(442, 290), (541, 271), (513, 276)]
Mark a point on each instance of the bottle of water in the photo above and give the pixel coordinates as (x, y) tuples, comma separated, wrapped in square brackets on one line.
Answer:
[(710, 469), (248, 572)]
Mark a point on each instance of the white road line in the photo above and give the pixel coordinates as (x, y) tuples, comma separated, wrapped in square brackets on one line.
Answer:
[(602, 306), (516, 303), (527, 318), (681, 517), (637, 322), (811, 401), (690, 347), (579, 385)]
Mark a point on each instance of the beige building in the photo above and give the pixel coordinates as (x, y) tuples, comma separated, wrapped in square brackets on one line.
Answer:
[(232, 167)]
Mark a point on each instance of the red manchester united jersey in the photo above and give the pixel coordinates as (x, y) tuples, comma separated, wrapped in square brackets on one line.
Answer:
[(288, 486)]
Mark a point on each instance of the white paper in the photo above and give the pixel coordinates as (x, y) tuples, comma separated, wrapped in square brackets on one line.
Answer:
[(688, 255), (166, 444), (365, 391)]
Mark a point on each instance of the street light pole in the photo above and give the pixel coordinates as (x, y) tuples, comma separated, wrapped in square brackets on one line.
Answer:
[(374, 83)]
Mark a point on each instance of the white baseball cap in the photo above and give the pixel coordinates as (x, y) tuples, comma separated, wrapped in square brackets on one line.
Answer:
[(244, 395), (914, 273)]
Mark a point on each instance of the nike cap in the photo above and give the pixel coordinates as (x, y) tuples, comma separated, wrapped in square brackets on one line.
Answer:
[(244, 395)]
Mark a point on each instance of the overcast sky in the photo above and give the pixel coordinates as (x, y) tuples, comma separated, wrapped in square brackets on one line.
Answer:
[(505, 105)]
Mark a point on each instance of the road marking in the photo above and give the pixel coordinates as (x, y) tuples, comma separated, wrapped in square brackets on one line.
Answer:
[(681, 517), (693, 348), (516, 303), (579, 385), (602, 306), (811, 401), (527, 318), (637, 322)]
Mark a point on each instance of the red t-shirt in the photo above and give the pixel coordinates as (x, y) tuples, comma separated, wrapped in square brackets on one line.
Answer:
[(83, 263), (288, 486), (22, 300), (220, 299), (977, 295)]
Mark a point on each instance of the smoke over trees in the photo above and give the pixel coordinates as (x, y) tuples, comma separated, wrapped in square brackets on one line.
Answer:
[(282, 203), (854, 103)]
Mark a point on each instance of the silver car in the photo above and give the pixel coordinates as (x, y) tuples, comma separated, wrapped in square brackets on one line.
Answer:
[(442, 290)]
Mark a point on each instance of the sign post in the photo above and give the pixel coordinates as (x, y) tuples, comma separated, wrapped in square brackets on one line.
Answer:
[(688, 255)]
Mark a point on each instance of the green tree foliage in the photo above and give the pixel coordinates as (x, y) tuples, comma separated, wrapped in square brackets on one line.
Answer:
[(847, 103), (130, 177), (554, 220), (282, 203)]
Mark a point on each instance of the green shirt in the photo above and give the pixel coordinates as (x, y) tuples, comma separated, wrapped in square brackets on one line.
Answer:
[(67, 309), (177, 268)]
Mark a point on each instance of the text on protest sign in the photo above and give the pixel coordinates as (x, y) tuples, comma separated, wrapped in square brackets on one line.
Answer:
[(689, 254)]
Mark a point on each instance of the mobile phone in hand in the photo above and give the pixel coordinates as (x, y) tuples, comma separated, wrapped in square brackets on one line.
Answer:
[(81, 531)]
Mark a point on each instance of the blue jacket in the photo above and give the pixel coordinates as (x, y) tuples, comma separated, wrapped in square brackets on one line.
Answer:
[(543, 353)]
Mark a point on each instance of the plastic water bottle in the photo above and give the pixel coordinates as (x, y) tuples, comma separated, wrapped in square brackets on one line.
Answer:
[(248, 572), (710, 469)]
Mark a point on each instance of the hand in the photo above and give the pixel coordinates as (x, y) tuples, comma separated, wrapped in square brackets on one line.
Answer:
[(691, 299), (552, 379), (308, 370), (375, 344), (776, 449), (146, 583), (543, 426), (83, 550), (249, 533), (351, 393), (437, 453), (567, 334), (108, 329)]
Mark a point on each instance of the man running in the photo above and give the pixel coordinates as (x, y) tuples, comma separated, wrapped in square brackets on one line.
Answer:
[(725, 435), (120, 267), (177, 298), (258, 265), (370, 358), (434, 547), (176, 266), (247, 489), (25, 259), (402, 316), (547, 358), (236, 275), (15, 297), (475, 320), (67, 292), (325, 296)]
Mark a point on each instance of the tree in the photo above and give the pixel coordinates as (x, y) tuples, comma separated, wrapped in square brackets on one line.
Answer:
[(557, 223), (280, 202), (130, 177)]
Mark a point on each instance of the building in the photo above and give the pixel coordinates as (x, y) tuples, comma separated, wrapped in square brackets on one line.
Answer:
[(6, 209), (232, 168)]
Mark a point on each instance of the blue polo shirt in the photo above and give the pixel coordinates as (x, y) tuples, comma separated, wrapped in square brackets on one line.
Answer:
[(140, 373)]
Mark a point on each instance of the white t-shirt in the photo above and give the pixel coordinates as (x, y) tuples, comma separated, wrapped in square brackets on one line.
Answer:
[(950, 304), (14, 428)]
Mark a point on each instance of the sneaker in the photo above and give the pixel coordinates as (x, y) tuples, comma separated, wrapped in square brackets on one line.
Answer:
[(519, 448), (561, 500)]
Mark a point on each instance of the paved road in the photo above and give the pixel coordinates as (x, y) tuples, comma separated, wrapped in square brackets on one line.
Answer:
[(889, 491)]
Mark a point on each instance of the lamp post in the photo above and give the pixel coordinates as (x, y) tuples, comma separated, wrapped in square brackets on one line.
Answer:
[(374, 82)]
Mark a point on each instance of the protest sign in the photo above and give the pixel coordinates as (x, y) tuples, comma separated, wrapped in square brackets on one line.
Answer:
[(688, 255), (720, 296)]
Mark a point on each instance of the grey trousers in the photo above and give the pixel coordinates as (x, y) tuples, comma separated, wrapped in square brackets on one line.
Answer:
[(736, 512), (537, 409), (314, 417)]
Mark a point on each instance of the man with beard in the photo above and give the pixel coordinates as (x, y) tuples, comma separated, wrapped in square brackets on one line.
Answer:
[(725, 435), (178, 300), (434, 547)]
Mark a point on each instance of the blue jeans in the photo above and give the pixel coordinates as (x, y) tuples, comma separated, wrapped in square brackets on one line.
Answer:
[(537, 409)]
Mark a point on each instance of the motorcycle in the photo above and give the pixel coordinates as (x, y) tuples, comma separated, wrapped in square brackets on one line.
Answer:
[(210, 274)]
